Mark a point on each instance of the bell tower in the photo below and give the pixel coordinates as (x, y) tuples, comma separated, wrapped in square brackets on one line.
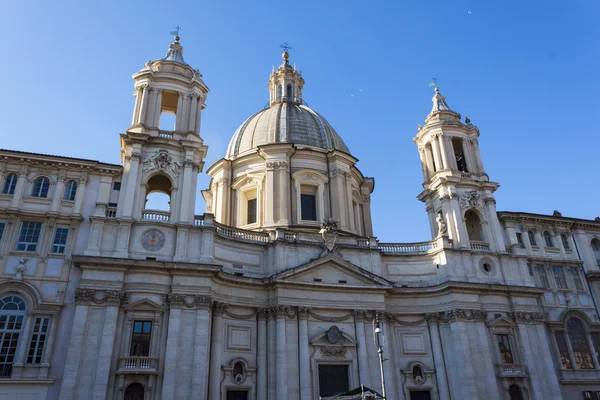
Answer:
[(162, 150), (457, 191)]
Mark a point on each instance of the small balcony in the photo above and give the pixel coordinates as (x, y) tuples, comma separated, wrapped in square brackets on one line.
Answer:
[(511, 370), (480, 246), (156, 215), (578, 375), (138, 365)]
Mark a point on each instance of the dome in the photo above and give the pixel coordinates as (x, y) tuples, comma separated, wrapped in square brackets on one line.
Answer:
[(285, 122)]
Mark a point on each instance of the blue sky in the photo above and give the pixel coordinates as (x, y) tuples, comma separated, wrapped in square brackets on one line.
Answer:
[(526, 73)]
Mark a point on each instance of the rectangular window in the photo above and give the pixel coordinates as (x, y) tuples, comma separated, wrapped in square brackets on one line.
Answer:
[(506, 356), (563, 351), (39, 337), (541, 270), (576, 278), (531, 237), (559, 277), (333, 379), (520, 239), (29, 236), (117, 186), (60, 240), (2, 226), (308, 207), (596, 341), (10, 330), (140, 339), (252, 211)]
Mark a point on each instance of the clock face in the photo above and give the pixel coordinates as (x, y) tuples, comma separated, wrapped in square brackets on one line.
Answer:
[(153, 240)]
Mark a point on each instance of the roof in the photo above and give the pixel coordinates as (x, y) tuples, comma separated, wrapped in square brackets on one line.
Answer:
[(61, 157), (515, 214), (285, 122)]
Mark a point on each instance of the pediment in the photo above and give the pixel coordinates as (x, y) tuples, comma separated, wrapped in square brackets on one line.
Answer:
[(331, 270), (144, 305), (502, 322)]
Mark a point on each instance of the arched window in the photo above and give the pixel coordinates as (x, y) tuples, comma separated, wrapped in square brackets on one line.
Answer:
[(579, 344), (474, 228), (531, 235), (70, 190), (12, 315), (288, 92), (515, 393), (238, 372), (10, 183), (40, 187), (135, 391), (565, 241), (158, 198), (548, 239), (279, 92)]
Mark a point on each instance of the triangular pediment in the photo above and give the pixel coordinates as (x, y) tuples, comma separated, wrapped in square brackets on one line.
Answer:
[(502, 322), (144, 305), (331, 270)]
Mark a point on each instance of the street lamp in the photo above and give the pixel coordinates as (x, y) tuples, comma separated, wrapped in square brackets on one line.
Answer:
[(379, 342)]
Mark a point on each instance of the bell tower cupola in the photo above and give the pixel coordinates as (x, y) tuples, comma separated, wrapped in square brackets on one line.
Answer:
[(457, 191), (162, 151), (285, 84)]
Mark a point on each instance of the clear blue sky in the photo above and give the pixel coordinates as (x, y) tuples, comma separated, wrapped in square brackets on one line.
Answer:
[(526, 73)]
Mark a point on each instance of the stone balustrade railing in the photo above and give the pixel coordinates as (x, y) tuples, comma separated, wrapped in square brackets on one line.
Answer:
[(199, 220), (409, 248), (479, 246), (138, 363), (165, 134), (156, 215), (511, 370), (236, 233), (110, 212)]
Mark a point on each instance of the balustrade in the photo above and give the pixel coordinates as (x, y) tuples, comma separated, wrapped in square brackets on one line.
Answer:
[(409, 248), (479, 246), (511, 370), (138, 363), (235, 233), (110, 212), (199, 220), (155, 215), (165, 134)]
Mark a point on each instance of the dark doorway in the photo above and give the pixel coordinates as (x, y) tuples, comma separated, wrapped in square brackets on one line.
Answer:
[(135, 391), (237, 395), (515, 393), (420, 395), (333, 379)]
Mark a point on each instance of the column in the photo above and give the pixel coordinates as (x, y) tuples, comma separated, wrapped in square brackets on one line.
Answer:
[(438, 356), (388, 368), (74, 352), (429, 161), (149, 120), (363, 360), (172, 351), (435, 148), (193, 112), (539, 240), (80, 193), (201, 347), (593, 351), (23, 346), (18, 195), (198, 117), (132, 182), (349, 207), (105, 352), (558, 243), (144, 104), (495, 228), (423, 164), (451, 156), (59, 190), (284, 193), (272, 347), (216, 350), (304, 355), (186, 194), (468, 158), (185, 121), (477, 154), (269, 204), (442, 141), (136, 108), (261, 356), (157, 108), (179, 114), (281, 357)]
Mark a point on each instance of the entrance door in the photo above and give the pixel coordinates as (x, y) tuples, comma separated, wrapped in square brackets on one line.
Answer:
[(420, 395), (237, 395), (515, 393), (135, 391)]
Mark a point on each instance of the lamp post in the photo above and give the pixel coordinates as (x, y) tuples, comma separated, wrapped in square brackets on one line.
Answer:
[(379, 341)]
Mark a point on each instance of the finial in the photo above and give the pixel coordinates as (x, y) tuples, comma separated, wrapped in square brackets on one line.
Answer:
[(286, 54), (176, 33), (434, 84)]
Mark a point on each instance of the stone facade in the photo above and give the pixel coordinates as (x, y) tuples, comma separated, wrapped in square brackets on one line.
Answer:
[(281, 280)]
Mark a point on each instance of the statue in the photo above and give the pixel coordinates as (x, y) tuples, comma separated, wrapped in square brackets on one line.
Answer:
[(442, 225), (557, 213)]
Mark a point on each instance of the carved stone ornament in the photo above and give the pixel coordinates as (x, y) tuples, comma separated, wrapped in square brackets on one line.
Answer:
[(22, 267), (329, 233), (334, 334), (87, 296), (527, 317), (161, 161), (333, 351), (469, 200), (461, 314)]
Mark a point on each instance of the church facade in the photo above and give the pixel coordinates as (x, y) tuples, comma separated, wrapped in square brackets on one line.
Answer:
[(275, 291)]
